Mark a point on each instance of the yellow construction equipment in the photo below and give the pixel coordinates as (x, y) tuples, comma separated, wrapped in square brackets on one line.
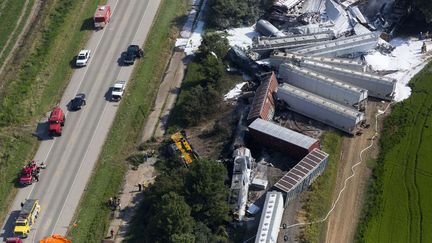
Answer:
[(55, 239), (183, 146)]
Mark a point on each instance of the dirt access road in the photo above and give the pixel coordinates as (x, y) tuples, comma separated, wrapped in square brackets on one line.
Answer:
[(343, 221), (71, 157)]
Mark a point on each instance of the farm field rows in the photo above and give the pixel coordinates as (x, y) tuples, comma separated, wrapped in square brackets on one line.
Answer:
[(13, 15), (401, 210)]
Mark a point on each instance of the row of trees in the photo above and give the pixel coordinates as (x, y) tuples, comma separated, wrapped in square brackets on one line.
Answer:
[(205, 82), (234, 13), (185, 205)]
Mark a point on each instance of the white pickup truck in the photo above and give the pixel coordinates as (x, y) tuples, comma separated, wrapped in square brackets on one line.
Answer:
[(118, 90)]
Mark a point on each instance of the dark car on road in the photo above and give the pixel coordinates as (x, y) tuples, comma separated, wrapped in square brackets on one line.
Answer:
[(78, 102), (132, 52)]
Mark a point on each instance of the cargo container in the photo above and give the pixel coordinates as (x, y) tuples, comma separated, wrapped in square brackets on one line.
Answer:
[(283, 139), (377, 86), (278, 57), (263, 105), (271, 218), (340, 47), (320, 109), (301, 176), (267, 29), (265, 44), (330, 88)]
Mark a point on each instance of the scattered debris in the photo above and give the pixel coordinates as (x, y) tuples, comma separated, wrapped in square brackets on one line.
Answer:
[(328, 57)]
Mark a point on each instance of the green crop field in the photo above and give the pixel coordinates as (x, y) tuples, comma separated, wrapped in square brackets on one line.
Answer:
[(399, 203)]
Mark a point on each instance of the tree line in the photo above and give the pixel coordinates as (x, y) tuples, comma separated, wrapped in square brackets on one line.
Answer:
[(184, 204), (234, 13), (204, 84)]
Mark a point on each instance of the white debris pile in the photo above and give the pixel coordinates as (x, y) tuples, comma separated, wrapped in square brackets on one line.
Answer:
[(406, 58), (235, 92), (241, 37)]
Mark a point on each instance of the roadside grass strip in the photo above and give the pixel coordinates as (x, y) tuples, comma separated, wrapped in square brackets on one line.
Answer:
[(318, 199), (35, 82), (399, 205), (92, 219)]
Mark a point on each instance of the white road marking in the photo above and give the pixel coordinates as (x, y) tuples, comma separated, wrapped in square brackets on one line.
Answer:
[(76, 90), (91, 140)]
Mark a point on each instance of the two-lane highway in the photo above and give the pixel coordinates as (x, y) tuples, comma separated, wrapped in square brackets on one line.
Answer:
[(71, 157)]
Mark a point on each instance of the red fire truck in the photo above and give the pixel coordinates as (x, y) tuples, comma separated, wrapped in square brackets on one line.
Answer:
[(56, 121), (102, 16)]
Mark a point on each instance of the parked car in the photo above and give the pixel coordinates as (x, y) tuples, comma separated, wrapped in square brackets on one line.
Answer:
[(83, 58), (132, 52), (78, 102), (118, 90)]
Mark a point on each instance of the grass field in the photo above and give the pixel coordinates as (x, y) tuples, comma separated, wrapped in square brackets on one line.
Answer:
[(10, 27), (34, 82), (319, 198), (399, 205), (93, 217)]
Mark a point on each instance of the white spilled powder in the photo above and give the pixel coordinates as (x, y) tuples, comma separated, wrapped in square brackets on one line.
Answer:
[(195, 40), (241, 37), (406, 59), (235, 92)]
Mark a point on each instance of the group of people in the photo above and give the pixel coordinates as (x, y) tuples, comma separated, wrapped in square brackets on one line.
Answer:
[(114, 203), (34, 169)]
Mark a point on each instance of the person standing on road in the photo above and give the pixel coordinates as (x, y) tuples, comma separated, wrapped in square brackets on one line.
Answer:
[(42, 165), (36, 177), (112, 233), (139, 187)]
